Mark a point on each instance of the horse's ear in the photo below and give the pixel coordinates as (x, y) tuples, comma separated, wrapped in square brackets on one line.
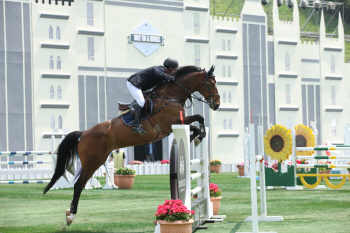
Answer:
[(211, 71)]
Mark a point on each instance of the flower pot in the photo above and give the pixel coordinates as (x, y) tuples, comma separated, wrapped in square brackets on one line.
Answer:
[(115, 180), (241, 171), (215, 168), (125, 181), (328, 171), (176, 226), (216, 204)]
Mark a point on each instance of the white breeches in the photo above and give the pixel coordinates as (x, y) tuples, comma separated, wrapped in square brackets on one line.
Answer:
[(136, 93)]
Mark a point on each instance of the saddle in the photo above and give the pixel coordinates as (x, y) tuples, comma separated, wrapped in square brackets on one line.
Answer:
[(124, 108), (128, 119)]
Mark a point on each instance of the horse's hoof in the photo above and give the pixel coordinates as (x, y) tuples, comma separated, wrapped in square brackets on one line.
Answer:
[(197, 142), (70, 219), (67, 212)]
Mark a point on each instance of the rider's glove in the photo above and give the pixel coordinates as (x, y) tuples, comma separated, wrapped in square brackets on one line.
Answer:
[(171, 78)]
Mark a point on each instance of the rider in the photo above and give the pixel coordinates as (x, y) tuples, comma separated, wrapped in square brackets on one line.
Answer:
[(144, 80)]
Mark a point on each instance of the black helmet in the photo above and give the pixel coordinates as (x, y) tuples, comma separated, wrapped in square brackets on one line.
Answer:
[(171, 62)]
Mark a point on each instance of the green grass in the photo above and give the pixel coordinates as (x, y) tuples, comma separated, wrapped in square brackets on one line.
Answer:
[(25, 209), (221, 6)]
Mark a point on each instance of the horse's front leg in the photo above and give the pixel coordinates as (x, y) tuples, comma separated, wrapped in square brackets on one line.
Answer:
[(190, 119)]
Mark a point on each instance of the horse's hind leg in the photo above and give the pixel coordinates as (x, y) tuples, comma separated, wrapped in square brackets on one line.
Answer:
[(78, 188)]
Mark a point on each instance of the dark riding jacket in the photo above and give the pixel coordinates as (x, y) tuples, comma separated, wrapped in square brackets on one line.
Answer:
[(147, 78)]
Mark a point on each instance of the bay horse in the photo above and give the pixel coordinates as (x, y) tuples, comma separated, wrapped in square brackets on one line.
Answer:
[(94, 145)]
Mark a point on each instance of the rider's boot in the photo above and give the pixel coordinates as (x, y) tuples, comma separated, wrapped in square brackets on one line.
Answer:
[(137, 114)]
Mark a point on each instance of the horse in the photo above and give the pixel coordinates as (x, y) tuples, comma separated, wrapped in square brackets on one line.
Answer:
[(93, 146)]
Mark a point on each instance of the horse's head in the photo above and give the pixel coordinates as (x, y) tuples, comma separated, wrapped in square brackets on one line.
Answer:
[(194, 79), (209, 90)]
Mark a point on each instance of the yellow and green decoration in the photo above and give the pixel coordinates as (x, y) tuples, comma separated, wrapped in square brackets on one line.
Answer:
[(278, 143), (304, 137)]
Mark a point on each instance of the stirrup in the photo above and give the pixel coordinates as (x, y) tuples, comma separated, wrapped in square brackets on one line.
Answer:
[(139, 130)]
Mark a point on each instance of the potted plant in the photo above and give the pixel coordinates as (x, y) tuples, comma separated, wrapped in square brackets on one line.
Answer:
[(215, 197), (165, 161), (173, 216), (215, 166), (135, 162), (323, 170), (125, 177), (240, 167), (348, 163), (275, 167)]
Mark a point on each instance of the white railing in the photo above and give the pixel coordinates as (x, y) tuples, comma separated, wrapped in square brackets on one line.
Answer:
[(163, 169)]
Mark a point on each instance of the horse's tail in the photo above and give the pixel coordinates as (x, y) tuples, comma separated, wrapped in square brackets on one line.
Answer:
[(66, 152)]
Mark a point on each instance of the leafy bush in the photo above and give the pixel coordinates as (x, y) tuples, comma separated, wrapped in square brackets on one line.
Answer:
[(125, 171), (215, 162), (173, 210)]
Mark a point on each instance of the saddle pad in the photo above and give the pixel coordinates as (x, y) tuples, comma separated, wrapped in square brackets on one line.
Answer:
[(130, 120)]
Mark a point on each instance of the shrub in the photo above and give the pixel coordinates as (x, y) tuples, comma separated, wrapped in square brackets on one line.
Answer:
[(215, 162), (125, 171), (173, 210)]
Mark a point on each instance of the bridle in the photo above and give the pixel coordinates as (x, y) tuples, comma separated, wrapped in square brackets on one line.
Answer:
[(210, 102)]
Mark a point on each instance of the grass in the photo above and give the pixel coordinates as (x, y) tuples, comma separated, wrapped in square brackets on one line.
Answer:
[(25, 209), (286, 14)]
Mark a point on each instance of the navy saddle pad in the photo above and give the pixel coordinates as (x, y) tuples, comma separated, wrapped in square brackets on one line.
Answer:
[(129, 119)]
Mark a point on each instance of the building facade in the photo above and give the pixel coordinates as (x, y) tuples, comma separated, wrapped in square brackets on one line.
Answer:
[(64, 68)]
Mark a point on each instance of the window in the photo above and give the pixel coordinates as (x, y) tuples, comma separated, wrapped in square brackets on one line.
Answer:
[(196, 23), (58, 63), (223, 71), (225, 126), (51, 63), (229, 97), (90, 14), (287, 93), (228, 45), (91, 49), (334, 127), (332, 65), (197, 55), (289, 123), (223, 45), (333, 95), (59, 95), (52, 92), (229, 71), (58, 33), (50, 33), (224, 97), (59, 122), (52, 122), (230, 123), (287, 67)]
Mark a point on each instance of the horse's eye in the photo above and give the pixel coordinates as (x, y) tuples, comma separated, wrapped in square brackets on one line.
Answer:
[(213, 84)]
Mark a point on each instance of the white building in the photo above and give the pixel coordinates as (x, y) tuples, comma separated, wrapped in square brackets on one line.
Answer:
[(64, 68)]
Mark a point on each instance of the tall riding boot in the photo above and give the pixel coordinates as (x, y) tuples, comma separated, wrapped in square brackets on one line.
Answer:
[(137, 114)]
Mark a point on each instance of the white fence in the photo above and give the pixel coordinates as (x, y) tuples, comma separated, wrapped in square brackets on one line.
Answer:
[(162, 169)]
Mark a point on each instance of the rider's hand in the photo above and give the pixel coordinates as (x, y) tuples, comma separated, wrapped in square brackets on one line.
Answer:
[(172, 79)]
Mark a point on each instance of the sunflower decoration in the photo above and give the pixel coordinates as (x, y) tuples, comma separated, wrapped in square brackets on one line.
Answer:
[(278, 142), (304, 138)]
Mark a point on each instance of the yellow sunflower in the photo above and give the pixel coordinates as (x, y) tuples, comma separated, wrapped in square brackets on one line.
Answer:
[(278, 142), (304, 138)]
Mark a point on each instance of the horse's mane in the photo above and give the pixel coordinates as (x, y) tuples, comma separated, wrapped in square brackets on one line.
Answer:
[(186, 69)]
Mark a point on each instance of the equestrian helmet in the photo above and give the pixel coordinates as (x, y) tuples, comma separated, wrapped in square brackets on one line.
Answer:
[(171, 62)]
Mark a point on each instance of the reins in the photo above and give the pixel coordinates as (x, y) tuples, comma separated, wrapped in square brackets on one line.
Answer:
[(191, 95)]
